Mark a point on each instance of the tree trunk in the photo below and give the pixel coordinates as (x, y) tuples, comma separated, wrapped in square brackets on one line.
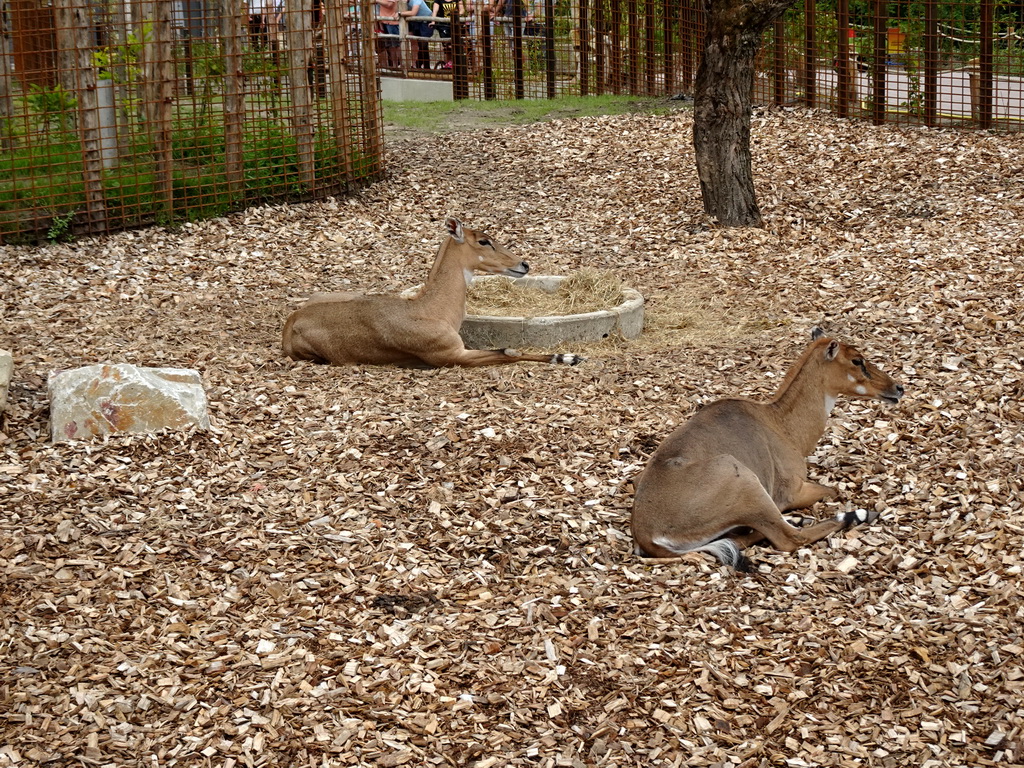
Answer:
[(721, 107)]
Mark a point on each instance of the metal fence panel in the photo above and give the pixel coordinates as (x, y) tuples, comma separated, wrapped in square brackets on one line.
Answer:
[(116, 113), (937, 62)]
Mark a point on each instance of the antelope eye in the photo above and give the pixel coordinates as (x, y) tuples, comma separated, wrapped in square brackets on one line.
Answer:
[(859, 362), (485, 241)]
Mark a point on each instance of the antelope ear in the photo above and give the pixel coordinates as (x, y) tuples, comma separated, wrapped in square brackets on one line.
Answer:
[(832, 350), (455, 229), (816, 333)]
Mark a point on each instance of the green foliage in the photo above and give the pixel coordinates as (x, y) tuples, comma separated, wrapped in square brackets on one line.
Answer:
[(120, 62), (54, 104), (60, 228)]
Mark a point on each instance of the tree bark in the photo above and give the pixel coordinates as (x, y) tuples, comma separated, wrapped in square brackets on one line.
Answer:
[(722, 107)]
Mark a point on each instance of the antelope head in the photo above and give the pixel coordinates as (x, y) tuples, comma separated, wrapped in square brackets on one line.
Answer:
[(483, 254), (846, 372)]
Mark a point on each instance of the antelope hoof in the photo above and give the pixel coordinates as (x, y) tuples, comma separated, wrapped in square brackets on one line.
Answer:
[(799, 521), (856, 517), (567, 359)]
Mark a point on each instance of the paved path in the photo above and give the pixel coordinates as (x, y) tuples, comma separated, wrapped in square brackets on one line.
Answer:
[(954, 92)]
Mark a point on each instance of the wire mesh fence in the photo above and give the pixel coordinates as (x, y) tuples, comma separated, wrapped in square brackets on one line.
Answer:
[(116, 113), (938, 62), (119, 113)]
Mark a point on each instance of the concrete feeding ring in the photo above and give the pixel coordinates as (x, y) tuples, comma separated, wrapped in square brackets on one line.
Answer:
[(494, 332)]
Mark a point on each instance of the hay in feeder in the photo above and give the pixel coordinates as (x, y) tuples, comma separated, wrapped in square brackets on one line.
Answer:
[(589, 290)]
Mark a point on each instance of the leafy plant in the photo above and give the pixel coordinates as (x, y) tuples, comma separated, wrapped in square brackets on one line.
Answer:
[(60, 228), (53, 104), (120, 62)]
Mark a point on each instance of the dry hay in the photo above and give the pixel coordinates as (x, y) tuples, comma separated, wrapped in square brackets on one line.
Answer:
[(588, 290), (372, 566)]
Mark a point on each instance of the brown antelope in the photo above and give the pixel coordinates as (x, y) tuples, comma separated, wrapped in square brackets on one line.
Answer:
[(722, 480), (422, 331)]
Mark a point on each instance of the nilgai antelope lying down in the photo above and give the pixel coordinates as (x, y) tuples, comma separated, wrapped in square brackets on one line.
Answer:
[(722, 480), (423, 331)]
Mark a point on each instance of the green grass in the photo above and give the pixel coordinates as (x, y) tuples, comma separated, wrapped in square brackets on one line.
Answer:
[(438, 116)]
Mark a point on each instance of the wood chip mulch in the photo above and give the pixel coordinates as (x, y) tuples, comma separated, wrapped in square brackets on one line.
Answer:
[(373, 566)]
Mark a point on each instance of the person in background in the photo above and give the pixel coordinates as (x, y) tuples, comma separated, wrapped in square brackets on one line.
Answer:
[(261, 18), (445, 9), (389, 52), (418, 9)]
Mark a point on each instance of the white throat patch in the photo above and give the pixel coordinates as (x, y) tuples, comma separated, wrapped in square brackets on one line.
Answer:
[(830, 403), (468, 274)]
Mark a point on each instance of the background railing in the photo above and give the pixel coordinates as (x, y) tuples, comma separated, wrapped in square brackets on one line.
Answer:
[(122, 113), (117, 113), (936, 62)]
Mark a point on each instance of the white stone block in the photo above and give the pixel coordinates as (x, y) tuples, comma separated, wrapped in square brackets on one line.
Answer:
[(108, 398), (6, 372)]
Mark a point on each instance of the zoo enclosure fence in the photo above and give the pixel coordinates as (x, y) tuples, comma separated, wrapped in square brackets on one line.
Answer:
[(116, 113), (936, 62)]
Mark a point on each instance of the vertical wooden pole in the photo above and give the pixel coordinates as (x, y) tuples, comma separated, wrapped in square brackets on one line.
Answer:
[(633, 44), (668, 18), (600, 38), (779, 61), (615, 51), (584, 57), (687, 32), (879, 98), (985, 65), (158, 100), (338, 72), (810, 45), (460, 61), (549, 46), (76, 48), (517, 48), (700, 18), (373, 143), (650, 57), (6, 75), (233, 29), (843, 57), (301, 64), (487, 54), (931, 63)]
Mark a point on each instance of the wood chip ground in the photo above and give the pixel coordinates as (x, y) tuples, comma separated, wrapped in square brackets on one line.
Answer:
[(382, 567)]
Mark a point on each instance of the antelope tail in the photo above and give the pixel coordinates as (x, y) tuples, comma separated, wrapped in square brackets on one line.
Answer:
[(726, 551)]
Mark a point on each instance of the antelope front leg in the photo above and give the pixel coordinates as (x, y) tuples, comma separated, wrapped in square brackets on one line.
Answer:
[(810, 494), (476, 358)]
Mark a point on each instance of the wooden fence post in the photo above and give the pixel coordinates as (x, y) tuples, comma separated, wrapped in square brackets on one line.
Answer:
[(487, 54), (75, 53), (338, 71), (779, 61), (233, 29), (633, 45), (879, 98), (550, 61), (668, 19), (985, 65), (845, 89), (6, 75), (158, 98), (369, 91), (302, 76), (931, 63), (650, 56), (810, 82)]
